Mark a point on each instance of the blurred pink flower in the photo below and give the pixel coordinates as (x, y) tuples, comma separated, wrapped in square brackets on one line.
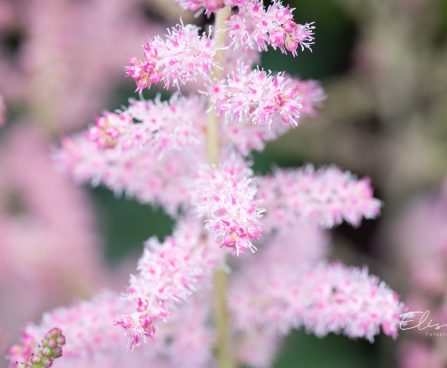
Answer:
[(48, 245), (69, 64)]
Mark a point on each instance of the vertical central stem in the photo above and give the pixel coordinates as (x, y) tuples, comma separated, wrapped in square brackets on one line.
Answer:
[(224, 355)]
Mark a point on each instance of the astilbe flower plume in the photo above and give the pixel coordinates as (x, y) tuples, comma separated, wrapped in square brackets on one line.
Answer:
[(93, 341), (173, 154), (224, 196), (253, 26), (169, 273), (325, 196), (258, 97), (182, 56)]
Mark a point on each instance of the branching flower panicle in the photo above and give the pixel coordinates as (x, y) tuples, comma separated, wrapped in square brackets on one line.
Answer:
[(190, 155)]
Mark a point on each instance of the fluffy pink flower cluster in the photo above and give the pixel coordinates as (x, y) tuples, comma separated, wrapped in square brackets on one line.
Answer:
[(155, 152), (93, 341), (258, 97), (135, 150), (182, 56), (323, 299), (155, 124), (254, 26), (224, 196), (169, 273), (325, 197), (290, 285)]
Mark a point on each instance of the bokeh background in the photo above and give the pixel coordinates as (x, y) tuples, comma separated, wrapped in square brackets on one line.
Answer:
[(383, 65)]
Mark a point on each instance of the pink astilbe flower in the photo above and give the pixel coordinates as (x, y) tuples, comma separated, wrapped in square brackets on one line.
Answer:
[(258, 97), (255, 27), (168, 274), (146, 177), (93, 341), (181, 56), (152, 125), (246, 136), (87, 326), (137, 154), (224, 196), (160, 153), (323, 299), (325, 197)]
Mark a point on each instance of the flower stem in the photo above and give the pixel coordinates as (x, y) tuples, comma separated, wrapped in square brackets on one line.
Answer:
[(212, 138), (224, 355)]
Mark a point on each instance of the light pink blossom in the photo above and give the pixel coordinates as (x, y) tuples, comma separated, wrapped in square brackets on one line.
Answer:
[(246, 136), (155, 125), (255, 27), (327, 298), (168, 273), (181, 56), (258, 97), (325, 197), (92, 340), (138, 156), (224, 196)]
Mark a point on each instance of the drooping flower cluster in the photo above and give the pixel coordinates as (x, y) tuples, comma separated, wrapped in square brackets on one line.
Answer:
[(258, 97), (93, 341), (182, 56), (289, 285), (157, 152), (326, 197), (256, 27)]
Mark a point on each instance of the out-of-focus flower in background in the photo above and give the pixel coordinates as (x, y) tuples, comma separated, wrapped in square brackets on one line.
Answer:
[(50, 250), (419, 238), (59, 64), (60, 57)]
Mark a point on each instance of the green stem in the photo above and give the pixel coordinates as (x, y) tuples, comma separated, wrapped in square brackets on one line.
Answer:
[(224, 356)]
